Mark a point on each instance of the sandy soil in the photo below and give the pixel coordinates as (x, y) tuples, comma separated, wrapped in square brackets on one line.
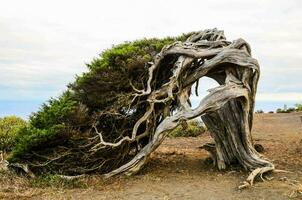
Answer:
[(180, 170)]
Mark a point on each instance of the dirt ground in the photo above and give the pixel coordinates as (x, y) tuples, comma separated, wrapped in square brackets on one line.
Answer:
[(181, 170)]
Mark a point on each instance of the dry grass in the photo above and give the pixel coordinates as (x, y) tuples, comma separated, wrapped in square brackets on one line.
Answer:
[(14, 186)]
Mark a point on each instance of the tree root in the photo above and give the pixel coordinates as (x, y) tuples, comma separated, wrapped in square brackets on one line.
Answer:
[(256, 172), (70, 178), (259, 172), (24, 167)]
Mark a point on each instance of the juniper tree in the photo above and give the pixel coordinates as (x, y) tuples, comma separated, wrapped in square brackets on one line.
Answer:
[(115, 115)]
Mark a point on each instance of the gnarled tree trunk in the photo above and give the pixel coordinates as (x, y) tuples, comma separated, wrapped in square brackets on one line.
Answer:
[(164, 103), (227, 110)]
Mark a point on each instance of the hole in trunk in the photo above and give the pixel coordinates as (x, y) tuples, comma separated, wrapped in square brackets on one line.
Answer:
[(205, 84)]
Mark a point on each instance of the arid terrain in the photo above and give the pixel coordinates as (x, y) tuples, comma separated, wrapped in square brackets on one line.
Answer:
[(181, 170)]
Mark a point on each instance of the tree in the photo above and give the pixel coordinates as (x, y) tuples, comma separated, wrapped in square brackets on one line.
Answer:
[(298, 106), (9, 126), (114, 116), (259, 111)]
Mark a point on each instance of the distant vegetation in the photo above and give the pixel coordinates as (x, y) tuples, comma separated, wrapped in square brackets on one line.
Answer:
[(193, 129), (259, 111), (297, 108), (9, 127)]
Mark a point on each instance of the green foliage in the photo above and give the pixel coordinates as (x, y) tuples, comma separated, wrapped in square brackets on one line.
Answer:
[(56, 181), (279, 110), (123, 54), (114, 69), (288, 110), (46, 126), (63, 125), (9, 127), (56, 111), (194, 129), (298, 106), (30, 138)]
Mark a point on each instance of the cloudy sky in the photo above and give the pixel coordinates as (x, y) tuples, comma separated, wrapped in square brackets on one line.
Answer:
[(43, 44)]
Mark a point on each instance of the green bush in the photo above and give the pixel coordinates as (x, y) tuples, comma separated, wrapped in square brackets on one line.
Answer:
[(289, 110), (298, 106), (9, 127), (194, 129), (47, 126), (30, 138), (54, 112)]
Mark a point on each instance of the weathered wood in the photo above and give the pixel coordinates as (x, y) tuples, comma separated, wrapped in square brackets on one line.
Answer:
[(227, 110)]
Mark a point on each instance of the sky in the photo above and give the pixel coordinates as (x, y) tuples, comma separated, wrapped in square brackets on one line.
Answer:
[(43, 44)]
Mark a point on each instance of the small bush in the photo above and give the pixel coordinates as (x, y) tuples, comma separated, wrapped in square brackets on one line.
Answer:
[(289, 110), (194, 129), (298, 106), (9, 127)]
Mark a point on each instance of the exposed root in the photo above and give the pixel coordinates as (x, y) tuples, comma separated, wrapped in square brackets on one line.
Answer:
[(210, 147), (24, 168), (70, 178), (260, 172), (282, 171), (4, 166)]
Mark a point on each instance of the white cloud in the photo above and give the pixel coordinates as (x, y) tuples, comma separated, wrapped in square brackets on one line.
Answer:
[(289, 96), (44, 43)]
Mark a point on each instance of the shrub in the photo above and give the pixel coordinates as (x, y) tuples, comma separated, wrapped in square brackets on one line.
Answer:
[(30, 138), (279, 110), (289, 110), (298, 106), (194, 129), (47, 127), (9, 127)]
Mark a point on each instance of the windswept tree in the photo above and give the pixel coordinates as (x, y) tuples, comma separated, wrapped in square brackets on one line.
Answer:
[(114, 116)]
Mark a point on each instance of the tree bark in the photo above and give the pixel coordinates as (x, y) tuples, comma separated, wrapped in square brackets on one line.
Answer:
[(164, 103), (228, 109)]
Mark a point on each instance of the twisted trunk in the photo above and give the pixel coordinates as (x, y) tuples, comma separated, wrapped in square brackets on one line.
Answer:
[(163, 104), (228, 109)]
